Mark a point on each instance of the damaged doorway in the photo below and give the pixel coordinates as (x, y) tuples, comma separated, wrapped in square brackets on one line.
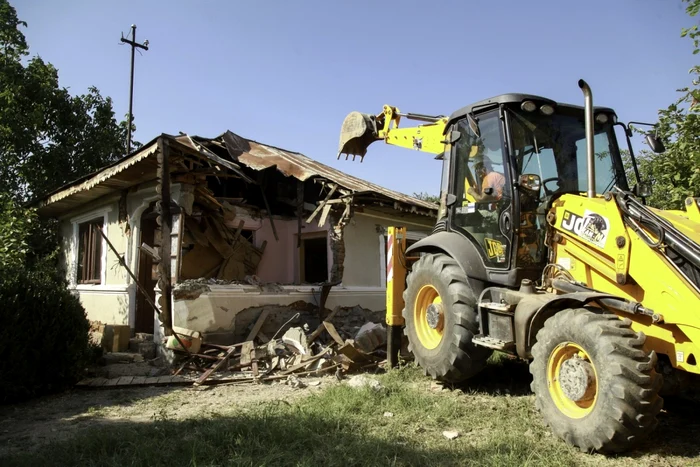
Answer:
[(313, 258), (150, 235)]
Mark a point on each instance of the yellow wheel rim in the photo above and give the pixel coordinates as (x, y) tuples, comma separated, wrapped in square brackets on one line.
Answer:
[(559, 377), (429, 336)]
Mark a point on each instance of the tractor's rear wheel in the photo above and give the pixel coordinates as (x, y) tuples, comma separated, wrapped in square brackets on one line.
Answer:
[(594, 384), (441, 319)]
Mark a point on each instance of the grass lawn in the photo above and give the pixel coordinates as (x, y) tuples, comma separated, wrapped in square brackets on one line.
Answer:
[(345, 426)]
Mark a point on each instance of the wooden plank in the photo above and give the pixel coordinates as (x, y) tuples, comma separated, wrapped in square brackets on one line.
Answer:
[(305, 363), (111, 382), (247, 353), (211, 370), (151, 380), (324, 214), (334, 333), (323, 203), (263, 338), (314, 335), (98, 382), (352, 353), (258, 324), (124, 380), (138, 380)]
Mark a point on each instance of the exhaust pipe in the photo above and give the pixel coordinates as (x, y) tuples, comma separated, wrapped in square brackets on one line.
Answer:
[(590, 150)]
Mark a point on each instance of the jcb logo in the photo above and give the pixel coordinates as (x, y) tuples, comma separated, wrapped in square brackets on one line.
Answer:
[(592, 227), (495, 249)]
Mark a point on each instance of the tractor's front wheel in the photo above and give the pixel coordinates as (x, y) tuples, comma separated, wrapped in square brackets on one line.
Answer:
[(441, 319), (594, 384)]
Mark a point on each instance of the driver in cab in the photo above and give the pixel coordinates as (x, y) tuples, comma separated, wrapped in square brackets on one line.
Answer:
[(492, 182)]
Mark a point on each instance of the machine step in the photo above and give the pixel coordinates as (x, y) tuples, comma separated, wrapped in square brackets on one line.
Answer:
[(499, 307), (492, 343)]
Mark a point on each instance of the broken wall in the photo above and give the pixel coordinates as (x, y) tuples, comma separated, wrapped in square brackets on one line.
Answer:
[(210, 308), (281, 260)]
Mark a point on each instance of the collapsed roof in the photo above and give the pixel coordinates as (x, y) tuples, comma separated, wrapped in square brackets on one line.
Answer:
[(229, 154)]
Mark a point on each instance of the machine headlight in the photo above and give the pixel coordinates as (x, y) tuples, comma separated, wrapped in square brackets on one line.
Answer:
[(528, 106), (601, 118), (547, 109)]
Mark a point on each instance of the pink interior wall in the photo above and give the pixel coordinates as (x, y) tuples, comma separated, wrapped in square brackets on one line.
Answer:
[(279, 262)]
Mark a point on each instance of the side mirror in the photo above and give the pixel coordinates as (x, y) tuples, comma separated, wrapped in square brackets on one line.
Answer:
[(450, 199), (655, 143), (530, 182), (643, 190)]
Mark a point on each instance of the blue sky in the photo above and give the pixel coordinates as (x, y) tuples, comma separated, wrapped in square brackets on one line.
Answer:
[(287, 73)]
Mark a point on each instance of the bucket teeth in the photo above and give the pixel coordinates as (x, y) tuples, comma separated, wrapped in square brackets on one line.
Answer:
[(356, 134)]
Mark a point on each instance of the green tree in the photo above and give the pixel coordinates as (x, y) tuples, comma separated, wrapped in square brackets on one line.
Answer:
[(426, 197), (47, 136), (675, 174)]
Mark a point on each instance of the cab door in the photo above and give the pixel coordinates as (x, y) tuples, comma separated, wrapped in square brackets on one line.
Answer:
[(483, 207)]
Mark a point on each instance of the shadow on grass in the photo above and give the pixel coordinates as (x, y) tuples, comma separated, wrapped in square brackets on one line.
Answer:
[(677, 432), (279, 435), (57, 411), (675, 435), (503, 374)]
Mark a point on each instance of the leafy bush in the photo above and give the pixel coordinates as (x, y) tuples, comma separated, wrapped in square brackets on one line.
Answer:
[(44, 331), (43, 337)]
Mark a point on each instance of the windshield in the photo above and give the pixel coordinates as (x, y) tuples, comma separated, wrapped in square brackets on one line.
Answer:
[(554, 147)]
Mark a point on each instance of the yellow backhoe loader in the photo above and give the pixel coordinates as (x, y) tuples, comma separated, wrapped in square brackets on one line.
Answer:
[(543, 251)]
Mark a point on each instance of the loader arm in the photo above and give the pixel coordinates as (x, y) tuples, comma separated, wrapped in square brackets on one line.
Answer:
[(360, 130)]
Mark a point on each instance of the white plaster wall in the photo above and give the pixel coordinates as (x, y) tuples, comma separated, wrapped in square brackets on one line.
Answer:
[(108, 301), (112, 301), (364, 264), (216, 310)]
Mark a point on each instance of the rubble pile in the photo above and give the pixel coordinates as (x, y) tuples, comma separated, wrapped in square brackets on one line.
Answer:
[(291, 352)]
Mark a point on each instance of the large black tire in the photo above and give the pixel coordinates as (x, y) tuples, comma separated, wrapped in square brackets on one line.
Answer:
[(626, 403), (455, 358)]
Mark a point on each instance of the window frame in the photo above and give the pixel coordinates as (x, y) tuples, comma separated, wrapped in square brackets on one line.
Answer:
[(98, 214), (90, 267)]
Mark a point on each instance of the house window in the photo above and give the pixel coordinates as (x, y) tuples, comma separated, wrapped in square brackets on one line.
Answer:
[(90, 251), (313, 258)]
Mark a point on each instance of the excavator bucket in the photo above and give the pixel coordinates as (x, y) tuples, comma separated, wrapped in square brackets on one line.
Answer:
[(357, 133)]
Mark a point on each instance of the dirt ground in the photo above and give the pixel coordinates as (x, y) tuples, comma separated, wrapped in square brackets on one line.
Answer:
[(32, 424), (501, 389)]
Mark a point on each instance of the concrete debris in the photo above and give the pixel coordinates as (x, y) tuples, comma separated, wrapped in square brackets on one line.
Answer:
[(362, 381), (370, 336), (388, 414), (450, 434), (189, 290), (320, 366), (296, 338), (286, 351), (295, 382), (302, 350)]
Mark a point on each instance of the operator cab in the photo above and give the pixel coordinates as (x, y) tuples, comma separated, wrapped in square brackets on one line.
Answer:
[(514, 154)]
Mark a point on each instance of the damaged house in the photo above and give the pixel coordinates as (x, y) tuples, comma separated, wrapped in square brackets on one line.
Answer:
[(204, 233)]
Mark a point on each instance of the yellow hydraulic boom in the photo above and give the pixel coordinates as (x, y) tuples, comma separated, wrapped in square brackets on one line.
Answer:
[(360, 130)]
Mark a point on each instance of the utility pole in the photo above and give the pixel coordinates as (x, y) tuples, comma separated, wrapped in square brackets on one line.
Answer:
[(133, 45)]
